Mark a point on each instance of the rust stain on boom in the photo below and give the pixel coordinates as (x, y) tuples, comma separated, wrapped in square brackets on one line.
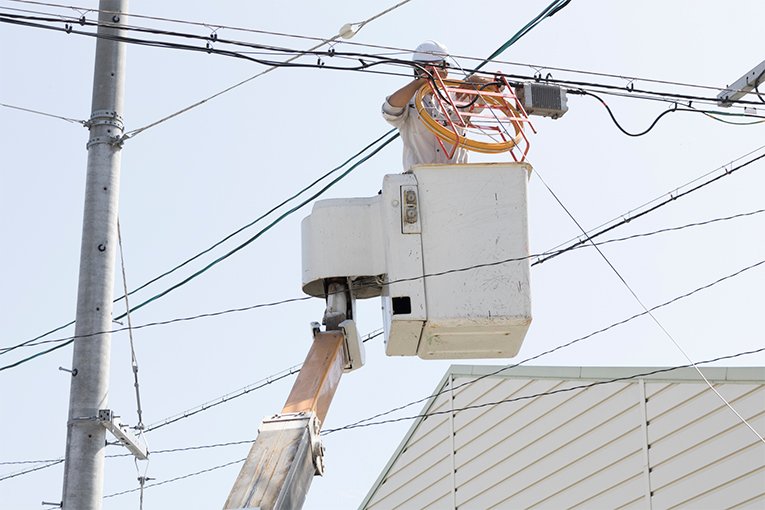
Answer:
[(319, 377)]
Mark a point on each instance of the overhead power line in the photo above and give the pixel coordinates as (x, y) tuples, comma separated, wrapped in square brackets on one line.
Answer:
[(577, 340), (367, 423), (305, 298), (376, 60), (538, 68), (647, 208), (175, 479), (548, 254), (73, 121), (647, 311), (32, 470), (262, 231)]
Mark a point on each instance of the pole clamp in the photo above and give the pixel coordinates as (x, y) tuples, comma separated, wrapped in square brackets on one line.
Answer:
[(105, 117), (115, 141)]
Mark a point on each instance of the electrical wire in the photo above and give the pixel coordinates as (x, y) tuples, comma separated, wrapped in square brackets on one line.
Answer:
[(254, 386), (651, 315), (229, 236), (209, 49), (159, 295), (672, 110), (31, 470), (629, 216), (577, 340), (549, 11), (176, 479), (134, 360), (374, 334), (398, 50), (367, 423), (73, 121), (226, 398)]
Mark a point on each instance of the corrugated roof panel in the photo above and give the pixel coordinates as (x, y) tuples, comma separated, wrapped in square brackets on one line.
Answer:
[(717, 421), (682, 406), (755, 503), (740, 492), (628, 493), (524, 443), (416, 466), (584, 448), (690, 489), (541, 480), (430, 484)]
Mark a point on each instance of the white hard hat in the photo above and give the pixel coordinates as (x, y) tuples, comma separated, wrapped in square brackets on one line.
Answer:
[(430, 51)]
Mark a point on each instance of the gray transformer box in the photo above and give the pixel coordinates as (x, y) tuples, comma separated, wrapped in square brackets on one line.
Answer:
[(543, 100)]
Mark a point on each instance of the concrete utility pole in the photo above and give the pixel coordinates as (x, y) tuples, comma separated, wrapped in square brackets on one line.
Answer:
[(86, 437)]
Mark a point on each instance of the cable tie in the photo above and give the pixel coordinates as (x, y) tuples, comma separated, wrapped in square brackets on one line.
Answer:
[(82, 20), (68, 28), (209, 47)]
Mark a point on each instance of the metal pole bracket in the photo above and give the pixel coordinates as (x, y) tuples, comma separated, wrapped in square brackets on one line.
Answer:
[(121, 431)]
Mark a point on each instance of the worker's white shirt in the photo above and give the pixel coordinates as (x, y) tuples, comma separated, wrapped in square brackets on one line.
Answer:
[(420, 145)]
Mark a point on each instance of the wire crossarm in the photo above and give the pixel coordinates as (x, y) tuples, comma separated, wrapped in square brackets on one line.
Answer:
[(485, 118)]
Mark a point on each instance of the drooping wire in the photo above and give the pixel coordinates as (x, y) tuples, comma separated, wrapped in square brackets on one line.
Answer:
[(672, 110)]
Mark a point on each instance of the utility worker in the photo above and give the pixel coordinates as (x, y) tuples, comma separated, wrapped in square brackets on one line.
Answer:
[(420, 144)]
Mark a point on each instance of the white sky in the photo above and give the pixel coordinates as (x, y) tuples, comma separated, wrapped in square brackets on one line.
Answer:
[(189, 182)]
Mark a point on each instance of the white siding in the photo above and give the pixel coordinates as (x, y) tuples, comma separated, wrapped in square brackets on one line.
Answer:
[(582, 446)]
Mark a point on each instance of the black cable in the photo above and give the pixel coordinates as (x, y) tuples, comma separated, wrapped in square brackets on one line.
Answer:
[(589, 237), (365, 423), (563, 346), (176, 479), (547, 255), (262, 231), (379, 58), (673, 110)]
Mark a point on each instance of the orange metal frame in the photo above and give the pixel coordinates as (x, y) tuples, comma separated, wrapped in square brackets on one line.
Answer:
[(498, 101)]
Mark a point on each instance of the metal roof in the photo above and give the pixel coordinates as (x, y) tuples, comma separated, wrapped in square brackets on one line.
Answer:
[(573, 437)]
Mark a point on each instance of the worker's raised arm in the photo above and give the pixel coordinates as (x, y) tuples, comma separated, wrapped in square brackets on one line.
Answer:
[(402, 96)]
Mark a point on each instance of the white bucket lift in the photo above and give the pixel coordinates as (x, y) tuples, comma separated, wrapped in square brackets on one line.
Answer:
[(446, 246)]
